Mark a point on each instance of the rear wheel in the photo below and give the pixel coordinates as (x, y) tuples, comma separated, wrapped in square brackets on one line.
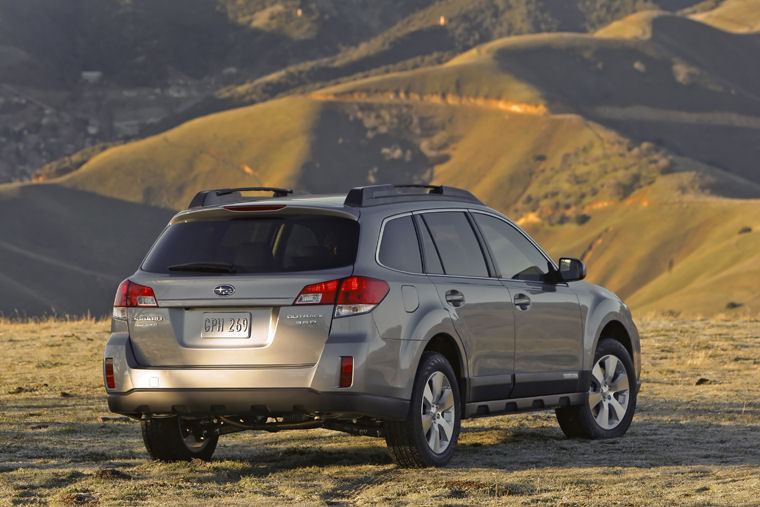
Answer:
[(609, 405), (429, 434), (178, 439)]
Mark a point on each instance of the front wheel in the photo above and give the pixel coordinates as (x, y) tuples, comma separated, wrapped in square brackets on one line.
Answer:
[(429, 434), (609, 405), (178, 439)]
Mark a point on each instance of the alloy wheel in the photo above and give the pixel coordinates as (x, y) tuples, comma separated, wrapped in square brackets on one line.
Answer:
[(438, 412), (609, 393)]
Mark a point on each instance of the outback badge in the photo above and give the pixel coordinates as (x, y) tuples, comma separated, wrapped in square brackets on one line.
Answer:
[(224, 290)]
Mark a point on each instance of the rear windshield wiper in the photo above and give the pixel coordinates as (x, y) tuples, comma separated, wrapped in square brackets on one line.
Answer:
[(209, 267)]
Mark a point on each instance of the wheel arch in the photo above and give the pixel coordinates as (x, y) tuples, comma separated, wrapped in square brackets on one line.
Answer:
[(615, 330), (448, 347), (617, 326)]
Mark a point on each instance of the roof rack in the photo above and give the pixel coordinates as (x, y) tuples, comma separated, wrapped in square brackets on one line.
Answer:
[(382, 194), (229, 195)]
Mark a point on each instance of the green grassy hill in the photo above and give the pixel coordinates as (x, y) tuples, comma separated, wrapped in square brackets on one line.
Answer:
[(633, 148)]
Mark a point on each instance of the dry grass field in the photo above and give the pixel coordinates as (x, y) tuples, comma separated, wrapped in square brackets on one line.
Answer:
[(692, 442)]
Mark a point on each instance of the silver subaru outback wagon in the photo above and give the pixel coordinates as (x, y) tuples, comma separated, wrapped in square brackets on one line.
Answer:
[(393, 311)]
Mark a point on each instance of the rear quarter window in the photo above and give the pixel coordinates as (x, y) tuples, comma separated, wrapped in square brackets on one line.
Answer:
[(399, 248)]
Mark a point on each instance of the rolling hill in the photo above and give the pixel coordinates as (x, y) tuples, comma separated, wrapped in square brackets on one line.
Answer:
[(634, 148), (89, 72), (64, 251)]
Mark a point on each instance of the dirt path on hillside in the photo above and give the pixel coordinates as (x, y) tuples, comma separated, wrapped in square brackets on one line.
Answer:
[(631, 113), (447, 99)]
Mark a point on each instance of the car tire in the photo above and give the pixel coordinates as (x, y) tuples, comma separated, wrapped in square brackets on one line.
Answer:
[(178, 439), (609, 404), (429, 434)]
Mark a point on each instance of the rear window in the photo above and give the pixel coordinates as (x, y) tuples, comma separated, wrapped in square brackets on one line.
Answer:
[(258, 245)]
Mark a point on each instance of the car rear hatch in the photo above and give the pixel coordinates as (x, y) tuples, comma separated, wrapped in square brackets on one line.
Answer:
[(225, 284)]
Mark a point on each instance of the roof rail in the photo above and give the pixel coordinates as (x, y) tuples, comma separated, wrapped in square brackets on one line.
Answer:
[(228, 195), (381, 194)]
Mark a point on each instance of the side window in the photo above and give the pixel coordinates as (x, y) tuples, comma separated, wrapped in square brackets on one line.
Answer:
[(429, 252), (514, 254), (456, 243), (399, 248)]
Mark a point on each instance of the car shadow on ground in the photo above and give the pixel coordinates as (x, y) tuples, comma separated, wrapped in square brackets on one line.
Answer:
[(646, 444), (654, 440)]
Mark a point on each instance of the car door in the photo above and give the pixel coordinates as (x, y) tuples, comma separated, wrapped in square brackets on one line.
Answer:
[(548, 330), (479, 305)]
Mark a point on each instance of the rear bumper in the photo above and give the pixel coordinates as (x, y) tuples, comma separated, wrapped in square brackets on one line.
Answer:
[(272, 390), (255, 401)]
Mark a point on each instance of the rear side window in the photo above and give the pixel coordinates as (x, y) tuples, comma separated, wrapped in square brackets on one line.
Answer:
[(456, 243), (258, 245), (399, 248), (515, 256)]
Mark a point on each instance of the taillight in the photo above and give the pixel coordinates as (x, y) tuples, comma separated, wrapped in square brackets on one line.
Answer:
[(131, 294), (318, 294), (352, 295), (346, 371), (110, 381), (359, 294)]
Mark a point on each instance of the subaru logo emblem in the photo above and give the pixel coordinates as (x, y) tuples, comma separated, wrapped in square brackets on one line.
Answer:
[(224, 290)]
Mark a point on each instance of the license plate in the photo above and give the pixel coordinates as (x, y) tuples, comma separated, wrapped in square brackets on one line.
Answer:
[(226, 325)]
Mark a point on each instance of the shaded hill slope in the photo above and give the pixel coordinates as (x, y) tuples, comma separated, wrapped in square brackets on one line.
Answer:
[(64, 251), (146, 41)]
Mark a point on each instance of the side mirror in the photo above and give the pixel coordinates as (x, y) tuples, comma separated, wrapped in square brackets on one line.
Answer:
[(571, 269)]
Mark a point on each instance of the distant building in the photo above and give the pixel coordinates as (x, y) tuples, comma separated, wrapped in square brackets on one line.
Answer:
[(91, 76)]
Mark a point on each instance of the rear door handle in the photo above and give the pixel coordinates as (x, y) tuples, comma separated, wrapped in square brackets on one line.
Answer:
[(455, 298), (522, 301)]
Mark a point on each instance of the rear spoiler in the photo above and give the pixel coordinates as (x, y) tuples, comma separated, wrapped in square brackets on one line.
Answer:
[(229, 195)]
